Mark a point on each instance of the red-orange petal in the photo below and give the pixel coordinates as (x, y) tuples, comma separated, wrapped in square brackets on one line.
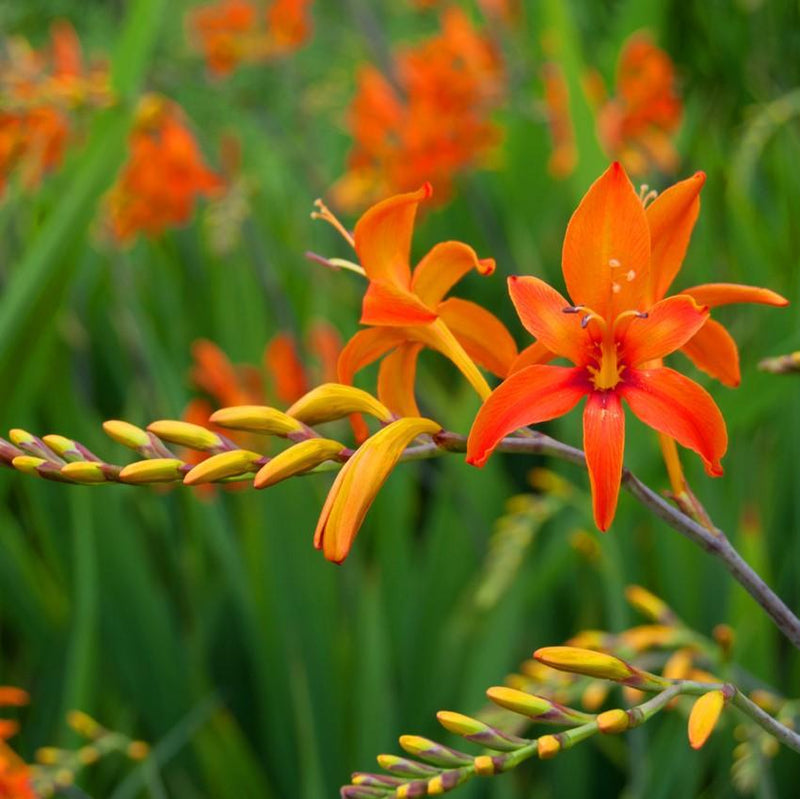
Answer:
[(535, 394), (604, 443), (680, 408), (672, 216), (607, 244), (669, 324), (365, 348), (713, 350), (386, 304), (714, 294), (383, 237), (483, 336), (541, 309), (443, 267), (396, 377), (536, 353)]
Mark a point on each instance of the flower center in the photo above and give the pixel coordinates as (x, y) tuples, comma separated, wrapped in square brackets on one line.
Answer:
[(608, 371)]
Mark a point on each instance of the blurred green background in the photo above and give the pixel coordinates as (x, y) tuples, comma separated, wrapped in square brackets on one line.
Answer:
[(211, 628)]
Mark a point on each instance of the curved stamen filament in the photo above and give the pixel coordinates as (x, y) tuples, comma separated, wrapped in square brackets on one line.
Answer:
[(589, 316), (328, 216)]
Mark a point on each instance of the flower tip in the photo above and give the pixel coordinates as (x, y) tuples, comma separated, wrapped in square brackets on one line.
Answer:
[(427, 190), (700, 177), (486, 266)]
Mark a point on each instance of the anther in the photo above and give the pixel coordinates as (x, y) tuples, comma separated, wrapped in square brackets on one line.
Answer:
[(586, 319), (630, 276), (571, 309), (641, 314)]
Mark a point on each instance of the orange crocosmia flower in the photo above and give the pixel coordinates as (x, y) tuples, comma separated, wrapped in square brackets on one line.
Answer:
[(15, 775), (282, 362), (223, 31), (288, 24), (225, 383), (408, 311), (163, 176), (430, 121), (636, 125), (564, 156), (612, 333)]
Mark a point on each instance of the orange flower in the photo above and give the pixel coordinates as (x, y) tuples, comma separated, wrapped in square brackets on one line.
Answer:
[(612, 332), (430, 121), (165, 172), (636, 125), (221, 31), (408, 311), (40, 90), (229, 32), (15, 774), (562, 133)]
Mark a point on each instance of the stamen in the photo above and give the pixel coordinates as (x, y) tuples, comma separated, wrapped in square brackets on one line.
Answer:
[(585, 321), (641, 314), (572, 309), (647, 195), (327, 215), (630, 276), (614, 263)]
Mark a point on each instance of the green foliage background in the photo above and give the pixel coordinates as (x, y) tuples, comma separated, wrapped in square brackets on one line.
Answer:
[(212, 628)]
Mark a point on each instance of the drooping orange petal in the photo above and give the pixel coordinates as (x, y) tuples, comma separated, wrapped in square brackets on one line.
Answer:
[(714, 294), (604, 443), (534, 394), (536, 353), (283, 365), (680, 408), (607, 245), (443, 267), (480, 333), (358, 483), (438, 336), (669, 324), (671, 217), (704, 717), (542, 310), (365, 348), (383, 237), (396, 378), (713, 350), (387, 304)]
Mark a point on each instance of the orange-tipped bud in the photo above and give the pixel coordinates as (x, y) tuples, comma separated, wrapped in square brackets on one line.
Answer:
[(21, 437), (296, 460), (63, 447), (613, 721), (484, 765), (704, 716), (537, 707), (219, 467), (186, 434), (650, 605), (84, 724), (336, 401), (433, 752), (548, 747), (85, 472), (28, 464), (256, 419), (126, 434), (597, 664), (359, 481), (155, 470), (594, 695)]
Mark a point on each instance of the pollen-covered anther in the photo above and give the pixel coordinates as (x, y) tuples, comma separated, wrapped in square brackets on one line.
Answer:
[(572, 309)]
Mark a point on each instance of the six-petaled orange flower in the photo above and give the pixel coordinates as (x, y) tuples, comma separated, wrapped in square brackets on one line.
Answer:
[(637, 124), (407, 310), (614, 333), (164, 175), (427, 122)]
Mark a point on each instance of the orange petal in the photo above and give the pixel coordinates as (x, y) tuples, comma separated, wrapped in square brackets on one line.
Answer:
[(607, 244), (386, 304), (365, 348), (671, 217), (383, 237), (704, 716), (480, 333), (541, 310), (680, 408), (536, 353), (443, 267), (668, 326), (534, 394), (438, 336), (359, 481), (604, 442), (282, 363), (396, 378), (713, 350), (714, 294)]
